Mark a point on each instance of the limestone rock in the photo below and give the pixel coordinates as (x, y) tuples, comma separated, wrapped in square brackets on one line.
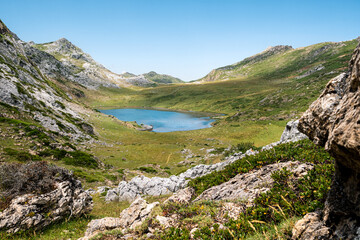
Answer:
[(291, 133), (248, 186), (38, 211), (310, 227), (182, 196), (333, 121), (129, 218)]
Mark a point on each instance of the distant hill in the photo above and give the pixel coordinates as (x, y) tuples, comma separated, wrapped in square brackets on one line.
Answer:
[(162, 78)]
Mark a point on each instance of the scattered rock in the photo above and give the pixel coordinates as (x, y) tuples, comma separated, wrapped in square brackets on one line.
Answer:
[(128, 191), (310, 227), (145, 127)]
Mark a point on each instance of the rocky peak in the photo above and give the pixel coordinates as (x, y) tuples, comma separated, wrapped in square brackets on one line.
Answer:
[(3, 28), (278, 48)]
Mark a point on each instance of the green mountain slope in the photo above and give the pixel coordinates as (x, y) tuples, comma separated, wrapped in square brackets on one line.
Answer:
[(242, 68)]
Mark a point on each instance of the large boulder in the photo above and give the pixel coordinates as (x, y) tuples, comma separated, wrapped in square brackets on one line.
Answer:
[(129, 218), (333, 121), (38, 211)]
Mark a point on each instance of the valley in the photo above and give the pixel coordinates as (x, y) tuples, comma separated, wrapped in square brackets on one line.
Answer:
[(50, 102)]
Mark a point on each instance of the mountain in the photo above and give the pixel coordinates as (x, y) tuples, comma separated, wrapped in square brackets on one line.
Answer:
[(162, 78), (28, 91), (86, 70)]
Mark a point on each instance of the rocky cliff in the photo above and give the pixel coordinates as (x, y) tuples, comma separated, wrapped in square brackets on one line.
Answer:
[(27, 84), (333, 121)]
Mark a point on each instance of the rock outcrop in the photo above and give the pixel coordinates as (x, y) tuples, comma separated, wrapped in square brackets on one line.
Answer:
[(38, 211), (25, 83), (129, 218), (246, 187), (333, 121), (290, 134), (156, 186)]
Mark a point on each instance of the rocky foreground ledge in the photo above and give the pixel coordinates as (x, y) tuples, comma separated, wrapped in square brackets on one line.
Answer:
[(36, 211), (333, 121), (141, 185)]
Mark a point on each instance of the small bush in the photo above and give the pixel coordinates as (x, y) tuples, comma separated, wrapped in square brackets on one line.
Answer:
[(81, 159), (147, 169), (21, 155), (57, 154)]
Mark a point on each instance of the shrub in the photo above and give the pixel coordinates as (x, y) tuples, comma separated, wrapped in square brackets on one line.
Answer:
[(21, 155), (35, 177), (304, 151), (147, 169), (81, 159)]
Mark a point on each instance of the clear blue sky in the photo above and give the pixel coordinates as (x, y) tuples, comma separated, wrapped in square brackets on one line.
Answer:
[(184, 38)]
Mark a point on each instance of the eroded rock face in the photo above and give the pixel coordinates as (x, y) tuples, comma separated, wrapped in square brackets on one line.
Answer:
[(333, 121), (38, 211)]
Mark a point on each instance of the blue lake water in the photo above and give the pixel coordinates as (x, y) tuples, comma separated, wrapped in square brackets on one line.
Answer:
[(162, 121)]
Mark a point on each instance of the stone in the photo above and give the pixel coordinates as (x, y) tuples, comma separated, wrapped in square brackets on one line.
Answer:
[(183, 196), (291, 133), (38, 211), (333, 121), (129, 218), (310, 227), (165, 222)]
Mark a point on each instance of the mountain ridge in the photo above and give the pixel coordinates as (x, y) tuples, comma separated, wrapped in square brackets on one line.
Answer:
[(85, 66)]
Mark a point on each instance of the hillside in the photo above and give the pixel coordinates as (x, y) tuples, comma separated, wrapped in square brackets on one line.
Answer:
[(242, 68)]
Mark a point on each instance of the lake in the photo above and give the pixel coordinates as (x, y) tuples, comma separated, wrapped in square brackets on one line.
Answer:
[(163, 121)]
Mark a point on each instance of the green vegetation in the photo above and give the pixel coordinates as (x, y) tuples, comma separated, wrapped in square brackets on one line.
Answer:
[(287, 199), (303, 151), (147, 169), (21, 155)]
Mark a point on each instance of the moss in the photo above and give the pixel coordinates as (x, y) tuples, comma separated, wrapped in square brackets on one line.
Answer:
[(60, 104)]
